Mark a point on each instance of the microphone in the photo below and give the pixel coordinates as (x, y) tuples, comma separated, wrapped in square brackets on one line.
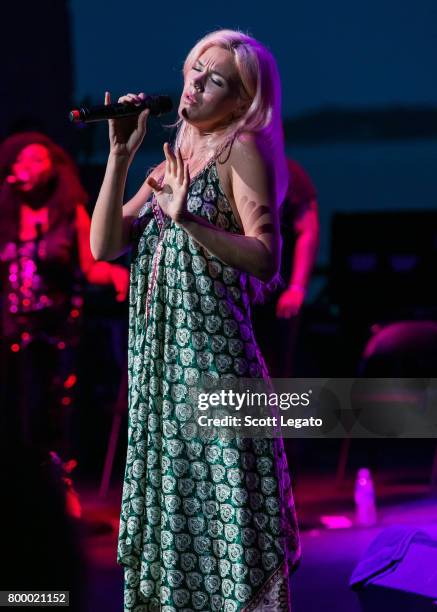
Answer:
[(21, 177), (158, 105)]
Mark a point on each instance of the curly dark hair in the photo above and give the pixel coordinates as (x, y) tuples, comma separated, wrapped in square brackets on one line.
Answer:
[(65, 192)]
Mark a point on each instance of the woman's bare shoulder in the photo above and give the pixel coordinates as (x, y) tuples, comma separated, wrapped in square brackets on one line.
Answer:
[(248, 154), (248, 146)]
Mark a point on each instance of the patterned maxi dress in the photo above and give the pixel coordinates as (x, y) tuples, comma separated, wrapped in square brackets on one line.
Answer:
[(205, 526)]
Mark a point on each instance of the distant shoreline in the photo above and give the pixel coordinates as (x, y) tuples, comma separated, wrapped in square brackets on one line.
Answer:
[(363, 124), (321, 126)]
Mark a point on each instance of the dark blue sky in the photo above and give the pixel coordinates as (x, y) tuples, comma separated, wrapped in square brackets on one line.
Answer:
[(329, 52)]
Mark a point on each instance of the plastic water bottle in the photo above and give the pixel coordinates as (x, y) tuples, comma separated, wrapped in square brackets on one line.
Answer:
[(365, 507)]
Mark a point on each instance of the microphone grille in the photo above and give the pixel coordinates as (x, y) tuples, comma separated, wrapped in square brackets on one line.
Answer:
[(160, 105)]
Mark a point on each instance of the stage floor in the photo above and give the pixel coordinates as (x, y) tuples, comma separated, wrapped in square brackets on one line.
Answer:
[(329, 554)]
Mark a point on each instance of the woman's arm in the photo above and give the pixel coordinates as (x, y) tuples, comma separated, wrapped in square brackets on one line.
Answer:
[(107, 227), (98, 272), (111, 221), (306, 227), (306, 246), (258, 250), (120, 242)]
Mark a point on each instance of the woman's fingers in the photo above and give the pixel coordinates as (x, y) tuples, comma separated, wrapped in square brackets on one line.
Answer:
[(154, 184), (175, 165), (142, 119), (171, 159), (127, 99), (131, 98), (110, 121), (180, 165), (167, 159), (135, 98)]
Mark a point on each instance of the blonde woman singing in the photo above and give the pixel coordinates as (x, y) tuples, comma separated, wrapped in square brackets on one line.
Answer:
[(205, 525)]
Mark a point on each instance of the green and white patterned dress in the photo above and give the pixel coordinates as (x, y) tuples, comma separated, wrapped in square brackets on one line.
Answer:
[(205, 525)]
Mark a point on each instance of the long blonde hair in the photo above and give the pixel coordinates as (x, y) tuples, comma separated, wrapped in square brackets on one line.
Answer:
[(260, 85)]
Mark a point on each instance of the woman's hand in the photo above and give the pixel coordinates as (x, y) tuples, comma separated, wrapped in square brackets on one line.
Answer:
[(172, 194), (290, 302), (120, 280), (126, 134)]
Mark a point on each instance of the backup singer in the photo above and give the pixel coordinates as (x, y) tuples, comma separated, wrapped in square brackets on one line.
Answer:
[(44, 257)]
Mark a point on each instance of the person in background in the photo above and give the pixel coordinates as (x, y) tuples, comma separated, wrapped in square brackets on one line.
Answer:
[(44, 258), (276, 321)]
